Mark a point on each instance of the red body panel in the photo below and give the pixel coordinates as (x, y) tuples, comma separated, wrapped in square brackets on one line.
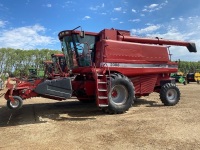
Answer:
[(132, 59), (24, 89), (116, 51)]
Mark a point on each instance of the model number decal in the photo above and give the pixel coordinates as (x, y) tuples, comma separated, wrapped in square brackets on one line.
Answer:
[(114, 64), (126, 65)]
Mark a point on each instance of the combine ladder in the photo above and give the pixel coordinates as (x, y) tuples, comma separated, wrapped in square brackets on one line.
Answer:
[(101, 93)]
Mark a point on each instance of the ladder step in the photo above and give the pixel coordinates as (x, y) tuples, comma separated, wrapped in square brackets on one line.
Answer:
[(102, 90), (103, 97), (102, 82), (103, 105)]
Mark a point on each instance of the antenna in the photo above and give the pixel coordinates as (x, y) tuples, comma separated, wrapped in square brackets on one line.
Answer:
[(170, 55), (77, 28)]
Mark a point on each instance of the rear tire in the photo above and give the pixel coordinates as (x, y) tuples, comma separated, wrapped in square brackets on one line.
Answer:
[(16, 104), (120, 94), (169, 94), (198, 81)]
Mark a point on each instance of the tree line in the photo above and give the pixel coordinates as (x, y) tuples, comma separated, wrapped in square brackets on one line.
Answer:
[(188, 66), (15, 61)]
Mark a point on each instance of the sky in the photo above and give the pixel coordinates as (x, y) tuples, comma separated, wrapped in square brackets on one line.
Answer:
[(35, 24)]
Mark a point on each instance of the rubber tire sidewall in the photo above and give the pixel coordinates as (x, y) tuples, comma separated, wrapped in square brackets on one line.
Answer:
[(20, 102), (124, 107), (163, 94)]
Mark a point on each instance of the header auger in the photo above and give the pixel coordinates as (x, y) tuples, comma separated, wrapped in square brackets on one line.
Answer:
[(111, 68)]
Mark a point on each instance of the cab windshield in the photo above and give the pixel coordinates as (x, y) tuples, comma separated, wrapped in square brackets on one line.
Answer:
[(78, 50), (59, 63)]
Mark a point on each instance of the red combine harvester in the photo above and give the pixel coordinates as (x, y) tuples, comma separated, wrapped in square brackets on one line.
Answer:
[(56, 67), (110, 67)]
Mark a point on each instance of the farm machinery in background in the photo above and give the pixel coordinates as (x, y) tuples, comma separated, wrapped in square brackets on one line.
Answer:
[(186, 79), (56, 67), (52, 69), (35, 73), (110, 67), (193, 77), (179, 77)]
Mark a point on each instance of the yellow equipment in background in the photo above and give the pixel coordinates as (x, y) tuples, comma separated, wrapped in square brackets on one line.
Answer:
[(180, 73), (197, 77)]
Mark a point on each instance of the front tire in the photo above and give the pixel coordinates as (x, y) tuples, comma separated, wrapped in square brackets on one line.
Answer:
[(16, 104), (120, 95), (169, 94)]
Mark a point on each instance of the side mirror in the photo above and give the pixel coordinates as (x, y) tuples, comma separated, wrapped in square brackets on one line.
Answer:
[(82, 34)]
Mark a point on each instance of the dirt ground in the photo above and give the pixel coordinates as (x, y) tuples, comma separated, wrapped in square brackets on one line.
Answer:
[(47, 124)]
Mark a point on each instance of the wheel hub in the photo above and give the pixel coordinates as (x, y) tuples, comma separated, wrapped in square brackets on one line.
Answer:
[(114, 93), (14, 104), (171, 95), (119, 94)]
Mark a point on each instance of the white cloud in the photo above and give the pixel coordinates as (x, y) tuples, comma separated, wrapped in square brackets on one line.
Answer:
[(49, 5), (179, 52), (125, 2), (118, 9), (28, 37), (144, 9), (121, 22), (67, 4), (181, 18), (133, 10), (2, 7), (3, 23), (104, 13), (94, 8), (113, 19), (134, 20), (27, 2), (148, 24), (86, 18), (146, 30), (177, 30), (154, 7)]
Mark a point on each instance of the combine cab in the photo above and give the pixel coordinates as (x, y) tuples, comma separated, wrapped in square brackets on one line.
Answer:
[(110, 67)]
